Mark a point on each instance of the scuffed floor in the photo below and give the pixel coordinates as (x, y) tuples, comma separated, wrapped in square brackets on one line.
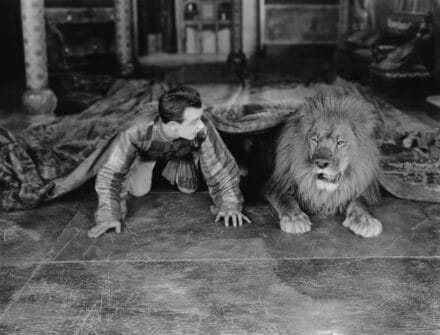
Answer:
[(174, 271)]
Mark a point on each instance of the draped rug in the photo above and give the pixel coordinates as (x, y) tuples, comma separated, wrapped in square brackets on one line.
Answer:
[(50, 159)]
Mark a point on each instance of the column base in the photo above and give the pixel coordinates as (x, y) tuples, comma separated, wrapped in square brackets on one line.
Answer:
[(237, 62), (39, 102), (126, 70)]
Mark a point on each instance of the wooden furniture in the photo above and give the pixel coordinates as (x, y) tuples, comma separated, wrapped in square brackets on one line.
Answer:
[(87, 28), (204, 26)]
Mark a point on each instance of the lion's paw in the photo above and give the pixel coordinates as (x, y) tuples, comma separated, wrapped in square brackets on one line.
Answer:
[(295, 223), (364, 225)]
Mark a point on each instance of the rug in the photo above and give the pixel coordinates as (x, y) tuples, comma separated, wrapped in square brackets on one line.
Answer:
[(50, 159)]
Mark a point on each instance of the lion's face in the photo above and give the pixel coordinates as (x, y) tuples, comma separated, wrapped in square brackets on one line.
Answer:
[(326, 154), (329, 147)]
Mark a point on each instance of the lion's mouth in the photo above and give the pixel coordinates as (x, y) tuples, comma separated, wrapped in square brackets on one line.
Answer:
[(327, 178)]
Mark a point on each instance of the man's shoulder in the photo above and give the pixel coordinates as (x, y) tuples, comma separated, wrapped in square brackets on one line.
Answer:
[(148, 110), (141, 126), (144, 119)]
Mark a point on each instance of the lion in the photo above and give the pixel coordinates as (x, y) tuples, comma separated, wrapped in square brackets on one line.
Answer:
[(326, 162)]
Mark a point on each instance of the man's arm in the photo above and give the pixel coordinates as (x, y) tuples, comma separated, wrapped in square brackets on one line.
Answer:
[(110, 181), (222, 176)]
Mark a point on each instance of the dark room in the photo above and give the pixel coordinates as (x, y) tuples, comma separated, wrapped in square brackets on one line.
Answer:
[(224, 167)]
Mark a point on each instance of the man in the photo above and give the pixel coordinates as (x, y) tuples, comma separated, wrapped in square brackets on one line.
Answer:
[(183, 137)]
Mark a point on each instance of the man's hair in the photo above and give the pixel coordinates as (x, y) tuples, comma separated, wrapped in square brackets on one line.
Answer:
[(173, 102)]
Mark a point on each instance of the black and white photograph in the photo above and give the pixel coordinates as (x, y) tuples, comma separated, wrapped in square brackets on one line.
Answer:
[(224, 167)]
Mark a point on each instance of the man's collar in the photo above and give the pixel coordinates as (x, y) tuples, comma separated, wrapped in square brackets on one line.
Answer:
[(160, 132)]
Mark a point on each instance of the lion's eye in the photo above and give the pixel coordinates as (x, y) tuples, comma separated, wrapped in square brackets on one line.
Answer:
[(314, 139), (341, 143)]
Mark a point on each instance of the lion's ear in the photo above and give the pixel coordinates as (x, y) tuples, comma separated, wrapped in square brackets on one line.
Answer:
[(302, 114), (367, 122), (294, 117)]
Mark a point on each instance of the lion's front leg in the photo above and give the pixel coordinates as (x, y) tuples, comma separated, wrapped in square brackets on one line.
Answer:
[(295, 222), (360, 221), (292, 219)]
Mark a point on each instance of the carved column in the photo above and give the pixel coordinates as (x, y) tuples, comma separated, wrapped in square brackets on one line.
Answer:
[(237, 59), (38, 98), (124, 45)]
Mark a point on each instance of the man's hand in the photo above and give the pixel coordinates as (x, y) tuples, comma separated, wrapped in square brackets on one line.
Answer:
[(235, 215), (102, 227)]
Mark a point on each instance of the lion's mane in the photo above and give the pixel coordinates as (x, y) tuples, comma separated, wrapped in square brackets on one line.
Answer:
[(292, 174)]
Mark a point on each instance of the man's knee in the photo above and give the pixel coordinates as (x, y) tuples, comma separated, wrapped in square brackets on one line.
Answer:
[(139, 191), (139, 182), (186, 190)]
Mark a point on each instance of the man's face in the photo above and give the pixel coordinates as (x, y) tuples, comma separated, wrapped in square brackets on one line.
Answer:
[(191, 124)]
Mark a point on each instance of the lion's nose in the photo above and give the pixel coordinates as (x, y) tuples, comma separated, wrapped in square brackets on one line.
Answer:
[(322, 163)]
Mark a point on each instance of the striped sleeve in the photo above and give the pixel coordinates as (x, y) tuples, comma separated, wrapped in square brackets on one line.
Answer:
[(220, 171), (111, 178)]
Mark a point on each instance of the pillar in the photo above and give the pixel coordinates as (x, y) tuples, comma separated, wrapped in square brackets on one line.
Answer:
[(237, 26), (237, 59), (249, 39), (124, 45), (344, 22), (38, 99)]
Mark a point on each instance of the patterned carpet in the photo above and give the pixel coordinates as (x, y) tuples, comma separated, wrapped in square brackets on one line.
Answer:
[(54, 157)]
